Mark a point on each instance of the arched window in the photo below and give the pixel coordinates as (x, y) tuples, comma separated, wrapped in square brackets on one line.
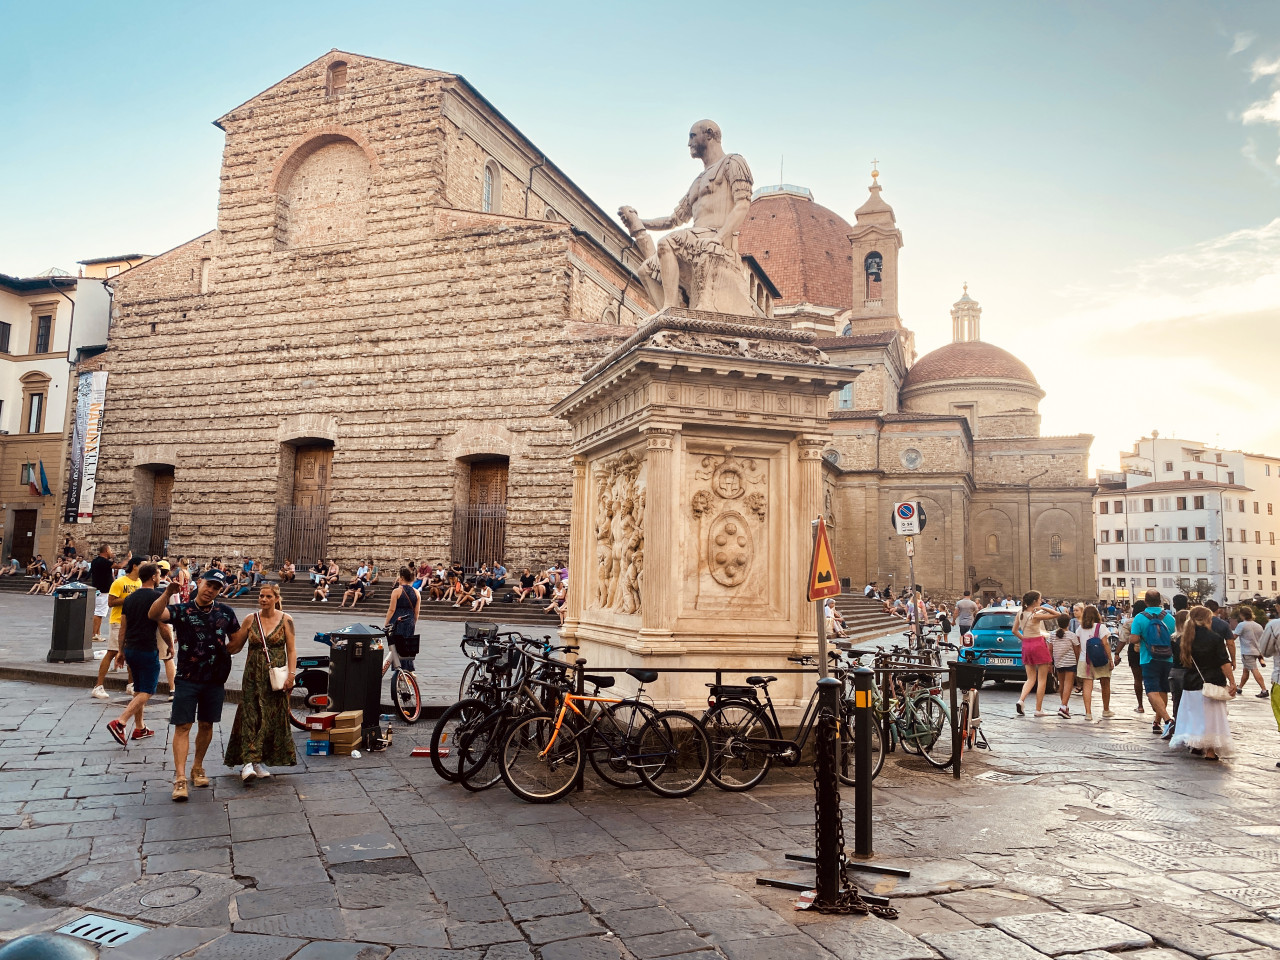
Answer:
[(335, 79), (1055, 547), (551, 216), (873, 266), (993, 545), (491, 194), (846, 397), (847, 331), (610, 316)]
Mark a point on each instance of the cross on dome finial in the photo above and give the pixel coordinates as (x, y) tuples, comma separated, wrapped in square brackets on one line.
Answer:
[(875, 173), (966, 286)]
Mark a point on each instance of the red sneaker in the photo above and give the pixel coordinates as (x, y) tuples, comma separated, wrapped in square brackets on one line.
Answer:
[(142, 734), (116, 729)]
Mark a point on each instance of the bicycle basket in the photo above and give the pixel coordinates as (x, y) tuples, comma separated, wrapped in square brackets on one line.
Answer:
[(970, 675), (479, 631)]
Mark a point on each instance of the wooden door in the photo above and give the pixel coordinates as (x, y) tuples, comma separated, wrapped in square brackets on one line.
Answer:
[(162, 493), (311, 476), (24, 535), (488, 483)]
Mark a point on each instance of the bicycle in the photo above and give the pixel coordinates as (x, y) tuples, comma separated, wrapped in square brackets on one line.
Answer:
[(914, 716), (406, 698), (542, 756), (746, 737)]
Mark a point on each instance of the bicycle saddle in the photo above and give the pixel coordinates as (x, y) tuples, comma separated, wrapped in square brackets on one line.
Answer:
[(601, 682), (643, 676), (760, 681)]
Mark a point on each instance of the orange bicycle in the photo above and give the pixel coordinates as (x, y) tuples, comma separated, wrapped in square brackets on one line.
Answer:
[(541, 756)]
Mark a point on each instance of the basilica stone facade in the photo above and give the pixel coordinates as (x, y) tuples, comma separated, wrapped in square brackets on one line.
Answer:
[(362, 357)]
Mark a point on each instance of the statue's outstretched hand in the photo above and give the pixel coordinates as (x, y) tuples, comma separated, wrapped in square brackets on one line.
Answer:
[(631, 220)]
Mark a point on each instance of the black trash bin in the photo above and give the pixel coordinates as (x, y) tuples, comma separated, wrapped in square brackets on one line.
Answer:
[(355, 681), (72, 624)]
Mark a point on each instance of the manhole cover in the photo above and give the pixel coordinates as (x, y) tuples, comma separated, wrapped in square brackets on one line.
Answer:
[(169, 896), (107, 931)]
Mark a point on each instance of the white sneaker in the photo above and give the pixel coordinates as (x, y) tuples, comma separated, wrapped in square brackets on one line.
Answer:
[(128, 689), (100, 693), (248, 773), (1108, 714), (261, 771)]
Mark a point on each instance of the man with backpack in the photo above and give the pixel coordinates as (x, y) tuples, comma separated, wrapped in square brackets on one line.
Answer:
[(1153, 630)]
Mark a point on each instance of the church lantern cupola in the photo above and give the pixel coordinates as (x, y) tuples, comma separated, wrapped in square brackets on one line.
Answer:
[(966, 316)]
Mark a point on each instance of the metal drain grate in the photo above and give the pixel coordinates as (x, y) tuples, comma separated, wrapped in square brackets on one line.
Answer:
[(107, 931), (995, 776)]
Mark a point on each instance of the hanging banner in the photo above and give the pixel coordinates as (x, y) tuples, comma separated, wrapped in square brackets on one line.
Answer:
[(86, 439)]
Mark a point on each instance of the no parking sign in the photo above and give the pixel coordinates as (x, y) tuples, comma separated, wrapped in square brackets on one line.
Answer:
[(908, 518)]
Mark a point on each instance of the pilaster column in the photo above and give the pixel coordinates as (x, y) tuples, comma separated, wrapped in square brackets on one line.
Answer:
[(809, 506), (579, 537), (661, 556)]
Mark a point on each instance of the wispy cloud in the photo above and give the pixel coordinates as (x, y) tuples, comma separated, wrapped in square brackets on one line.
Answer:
[(1242, 42), (1264, 68), (1207, 314)]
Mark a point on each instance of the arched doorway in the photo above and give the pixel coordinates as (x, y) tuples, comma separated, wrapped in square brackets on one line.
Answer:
[(302, 514), (152, 503), (480, 524)]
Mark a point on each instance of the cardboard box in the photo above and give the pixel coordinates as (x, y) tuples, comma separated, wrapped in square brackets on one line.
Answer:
[(348, 719), (319, 736), (354, 735), (320, 748), (343, 749), (320, 721)]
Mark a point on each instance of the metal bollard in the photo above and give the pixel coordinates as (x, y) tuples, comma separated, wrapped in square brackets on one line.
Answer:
[(579, 687), (828, 829), (863, 719), (956, 733)]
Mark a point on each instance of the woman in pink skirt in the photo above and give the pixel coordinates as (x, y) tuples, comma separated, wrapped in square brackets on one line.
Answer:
[(1028, 627)]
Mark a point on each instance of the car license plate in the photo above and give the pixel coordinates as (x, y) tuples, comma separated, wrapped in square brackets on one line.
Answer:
[(1007, 661)]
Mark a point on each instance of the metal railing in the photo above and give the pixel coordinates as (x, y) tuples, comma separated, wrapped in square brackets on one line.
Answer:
[(302, 534), (149, 530), (479, 534)]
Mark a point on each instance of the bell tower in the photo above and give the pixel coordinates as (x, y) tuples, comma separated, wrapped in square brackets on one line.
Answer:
[(875, 242)]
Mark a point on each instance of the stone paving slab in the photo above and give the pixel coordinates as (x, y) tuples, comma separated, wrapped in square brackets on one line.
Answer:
[(1059, 933), (981, 944)]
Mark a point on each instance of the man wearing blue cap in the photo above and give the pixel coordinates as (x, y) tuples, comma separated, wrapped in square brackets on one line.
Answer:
[(206, 633)]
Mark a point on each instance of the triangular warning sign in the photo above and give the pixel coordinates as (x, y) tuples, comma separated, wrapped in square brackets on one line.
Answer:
[(823, 581)]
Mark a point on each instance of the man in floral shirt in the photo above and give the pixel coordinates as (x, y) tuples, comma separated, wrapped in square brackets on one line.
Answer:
[(206, 634)]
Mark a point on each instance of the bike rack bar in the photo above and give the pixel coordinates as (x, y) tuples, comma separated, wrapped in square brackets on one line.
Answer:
[(855, 864)]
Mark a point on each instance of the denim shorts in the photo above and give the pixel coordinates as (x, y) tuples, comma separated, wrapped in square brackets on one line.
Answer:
[(144, 664), (196, 700), (1155, 676)]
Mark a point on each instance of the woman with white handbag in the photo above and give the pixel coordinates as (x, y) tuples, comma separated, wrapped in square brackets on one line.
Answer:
[(260, 734), (1202, 714)]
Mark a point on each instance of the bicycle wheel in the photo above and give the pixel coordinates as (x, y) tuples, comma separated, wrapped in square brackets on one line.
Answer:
[(933, 714), (966, 734), (536, 769), (738, 763), (905, 722), (405, 696), (478, 745), (444, 736), (848, 748), (614, 737), (674, 754), (468, 676)]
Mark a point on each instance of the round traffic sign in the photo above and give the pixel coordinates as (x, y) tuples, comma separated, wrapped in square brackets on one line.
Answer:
[(906, 510)]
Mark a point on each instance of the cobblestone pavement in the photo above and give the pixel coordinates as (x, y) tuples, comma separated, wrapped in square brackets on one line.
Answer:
[(1115, 847)]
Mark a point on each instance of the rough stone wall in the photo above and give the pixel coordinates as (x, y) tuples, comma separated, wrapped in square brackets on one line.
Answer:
[(431, 336)]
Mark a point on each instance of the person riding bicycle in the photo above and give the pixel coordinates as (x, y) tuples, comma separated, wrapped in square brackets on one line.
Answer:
[(402, 617)]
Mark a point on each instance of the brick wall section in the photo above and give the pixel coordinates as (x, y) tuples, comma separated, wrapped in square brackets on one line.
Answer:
[(432, 335)]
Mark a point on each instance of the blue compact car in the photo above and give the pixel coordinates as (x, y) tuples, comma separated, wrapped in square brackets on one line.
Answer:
[(994, 645)]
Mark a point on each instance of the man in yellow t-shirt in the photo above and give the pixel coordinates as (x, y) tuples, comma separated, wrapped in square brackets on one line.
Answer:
[(124, 585)]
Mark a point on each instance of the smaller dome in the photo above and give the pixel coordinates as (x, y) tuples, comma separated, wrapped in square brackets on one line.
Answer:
[(968, 360)]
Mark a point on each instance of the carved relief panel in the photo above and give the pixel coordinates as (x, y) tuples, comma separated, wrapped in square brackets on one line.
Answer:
[(729, 544), (618, 501)]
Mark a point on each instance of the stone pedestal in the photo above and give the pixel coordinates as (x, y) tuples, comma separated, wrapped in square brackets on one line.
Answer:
[(697, 470)]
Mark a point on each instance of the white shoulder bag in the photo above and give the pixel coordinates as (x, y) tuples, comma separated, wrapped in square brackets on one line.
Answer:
[(279, 675)]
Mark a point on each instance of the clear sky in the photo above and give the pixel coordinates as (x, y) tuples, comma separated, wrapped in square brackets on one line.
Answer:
[(1105, 175)]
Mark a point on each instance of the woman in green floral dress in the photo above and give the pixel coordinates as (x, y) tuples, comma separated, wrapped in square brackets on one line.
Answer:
[(260, 734)]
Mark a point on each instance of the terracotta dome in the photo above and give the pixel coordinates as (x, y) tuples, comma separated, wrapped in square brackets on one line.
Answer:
[(968, 360), (802, 246)]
